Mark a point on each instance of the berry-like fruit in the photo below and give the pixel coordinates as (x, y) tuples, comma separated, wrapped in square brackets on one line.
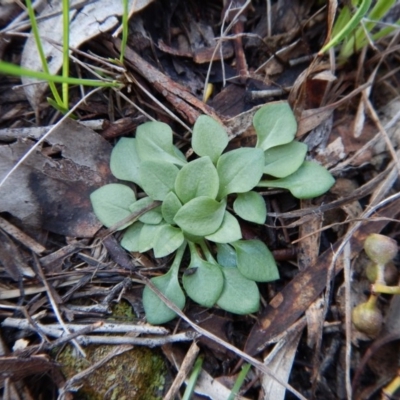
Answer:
[(380, 249), (367, 319)]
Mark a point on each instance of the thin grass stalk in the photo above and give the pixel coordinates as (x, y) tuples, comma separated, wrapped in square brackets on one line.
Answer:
[(15, 70), (65, 69), (239, 381), (35, 31), (124, 39)]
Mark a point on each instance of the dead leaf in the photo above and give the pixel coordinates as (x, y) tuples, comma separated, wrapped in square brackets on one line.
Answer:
[(53, 193)]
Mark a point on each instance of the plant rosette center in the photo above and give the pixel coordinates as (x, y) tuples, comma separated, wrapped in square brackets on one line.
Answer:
[(193, 210)]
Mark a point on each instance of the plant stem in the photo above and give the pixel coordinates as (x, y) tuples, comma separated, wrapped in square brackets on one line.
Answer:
[(178, 258), (384, 289), (207, 254), (392, 387)]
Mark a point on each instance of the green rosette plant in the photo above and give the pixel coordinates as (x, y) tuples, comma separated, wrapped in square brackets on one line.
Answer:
[(185, 204)]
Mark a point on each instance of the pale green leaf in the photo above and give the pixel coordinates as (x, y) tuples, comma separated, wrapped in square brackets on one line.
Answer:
[(275, 124), (111, 203), (169, 238), (148, 237), (310, 180), (239, 170), (153, 216), (158, 178), (251, 207), (229, 231), (200, 216), (170, 207), (255, 261), (125, 162), (203, 281), (130, 240), (239, 295), (156, 310), (154, 142), (209, 138), (197, 178), (226, 255), (281, 161)]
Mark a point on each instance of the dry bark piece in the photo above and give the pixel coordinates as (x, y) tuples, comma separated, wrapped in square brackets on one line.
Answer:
[(51, 193)]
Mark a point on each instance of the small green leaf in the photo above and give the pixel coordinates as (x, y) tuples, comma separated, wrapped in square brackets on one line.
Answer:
[(275, 125), (197, 178), (281, 161), (239, 295), (130, 240), (255, 261), (209, 138), (168, 240), (148, 237), (158, 178), (310, 180), (152, 217), (229, 231), (200, 216), (170, 207), (204, 286), (193, 238), (226, 255), (251, 207), (154, 142), (125, 162), (156, 310), (239, 170), (111, 203)]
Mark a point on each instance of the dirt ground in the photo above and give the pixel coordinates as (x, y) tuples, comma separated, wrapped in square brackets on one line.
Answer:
[(61, 272)]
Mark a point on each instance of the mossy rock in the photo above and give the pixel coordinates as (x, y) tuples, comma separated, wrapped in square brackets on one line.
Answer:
[(136, 374)]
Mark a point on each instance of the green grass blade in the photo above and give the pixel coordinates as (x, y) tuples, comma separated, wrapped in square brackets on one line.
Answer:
[(377, 13), (124, 40), (193, 379), (65, 69), (239, 381), (386, 31), (341, 21), (349, 27), (35, 31), (12, 69)]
